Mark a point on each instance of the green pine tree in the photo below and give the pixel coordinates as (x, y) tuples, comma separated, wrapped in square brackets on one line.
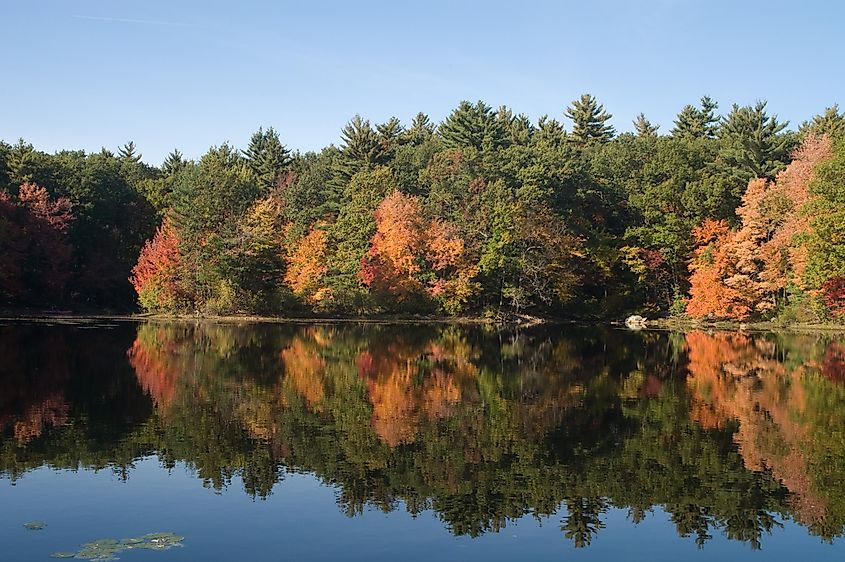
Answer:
[(550, 132), (266, 157), (589, 121), (644, 127), (128, 152), (390, 134), (421, 129), (518, 128), (697, 123), (754, 142), (831, 123), (351, 233), (361, 149), (313, 195), (173, 163), (20, 161), (472, 126)]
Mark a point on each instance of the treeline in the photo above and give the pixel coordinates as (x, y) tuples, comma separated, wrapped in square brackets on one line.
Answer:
[(729, 216)]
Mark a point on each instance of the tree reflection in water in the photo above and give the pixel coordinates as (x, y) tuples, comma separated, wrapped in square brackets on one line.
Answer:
[(726, 432)]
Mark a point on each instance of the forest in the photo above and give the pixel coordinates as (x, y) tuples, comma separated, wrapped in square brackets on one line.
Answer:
[(727, 215)]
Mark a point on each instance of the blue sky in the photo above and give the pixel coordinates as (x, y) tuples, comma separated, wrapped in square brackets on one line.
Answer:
[(191, 74)]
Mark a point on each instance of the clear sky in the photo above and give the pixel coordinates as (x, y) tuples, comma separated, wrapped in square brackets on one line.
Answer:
[(194, 73)]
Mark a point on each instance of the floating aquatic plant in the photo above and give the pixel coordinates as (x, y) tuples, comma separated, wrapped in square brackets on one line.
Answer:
[(104, 550), (35, 525)]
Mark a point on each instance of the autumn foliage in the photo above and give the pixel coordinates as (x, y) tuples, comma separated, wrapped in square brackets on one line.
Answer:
[(412, 259), (393, 264), (35, 259), (742, 273), (307, 266), (709, 293), (833, 291), (155, 277)]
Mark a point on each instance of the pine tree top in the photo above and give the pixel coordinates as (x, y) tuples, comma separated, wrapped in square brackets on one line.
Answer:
[(589, 120)]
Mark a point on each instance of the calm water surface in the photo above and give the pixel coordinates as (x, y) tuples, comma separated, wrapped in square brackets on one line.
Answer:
[(292, 442)]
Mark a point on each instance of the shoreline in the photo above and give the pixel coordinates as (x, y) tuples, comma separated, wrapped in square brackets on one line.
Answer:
[(687, 324), (73, 317), (522, 321)]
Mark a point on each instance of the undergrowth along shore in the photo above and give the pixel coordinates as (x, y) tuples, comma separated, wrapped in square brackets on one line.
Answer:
[(671, 323)]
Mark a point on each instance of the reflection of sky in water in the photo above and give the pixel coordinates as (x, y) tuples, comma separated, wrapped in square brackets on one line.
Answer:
[(300, 521)]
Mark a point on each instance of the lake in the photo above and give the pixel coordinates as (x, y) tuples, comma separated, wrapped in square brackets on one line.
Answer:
[(378, 441)]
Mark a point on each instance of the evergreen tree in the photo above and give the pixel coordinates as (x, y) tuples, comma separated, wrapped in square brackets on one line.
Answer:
[(390, 134), (313, 196), (421, 129), (709, 117), (754, 142), (644, 127), (216, 194), (361, 149), (390, 131), (20, 160), (472, 126), (550, 132), (266, 157), (208, 204), (697, 123), (589, 121), (158, 189), (518, 128), (128, 152), (831, 123), (4, 171), (349, 236), (173, 163)]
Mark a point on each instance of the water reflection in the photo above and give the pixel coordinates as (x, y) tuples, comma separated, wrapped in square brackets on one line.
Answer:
[(728, 433)]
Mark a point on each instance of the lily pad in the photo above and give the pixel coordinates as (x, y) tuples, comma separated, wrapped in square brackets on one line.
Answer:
[(105, 550), (35, 525)]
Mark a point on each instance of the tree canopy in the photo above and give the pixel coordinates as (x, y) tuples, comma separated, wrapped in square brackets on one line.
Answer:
[(497, 214)]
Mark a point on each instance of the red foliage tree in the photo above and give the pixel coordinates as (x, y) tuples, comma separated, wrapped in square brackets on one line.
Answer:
[(35, 262), (833, 291), (155, 276)]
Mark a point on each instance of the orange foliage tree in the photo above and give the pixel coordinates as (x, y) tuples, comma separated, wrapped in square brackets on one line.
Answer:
[(155, 276), (412, 259), (453, 269), (393, 263), (784, 253), (709, 295), (307, 266), (740, 273)]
